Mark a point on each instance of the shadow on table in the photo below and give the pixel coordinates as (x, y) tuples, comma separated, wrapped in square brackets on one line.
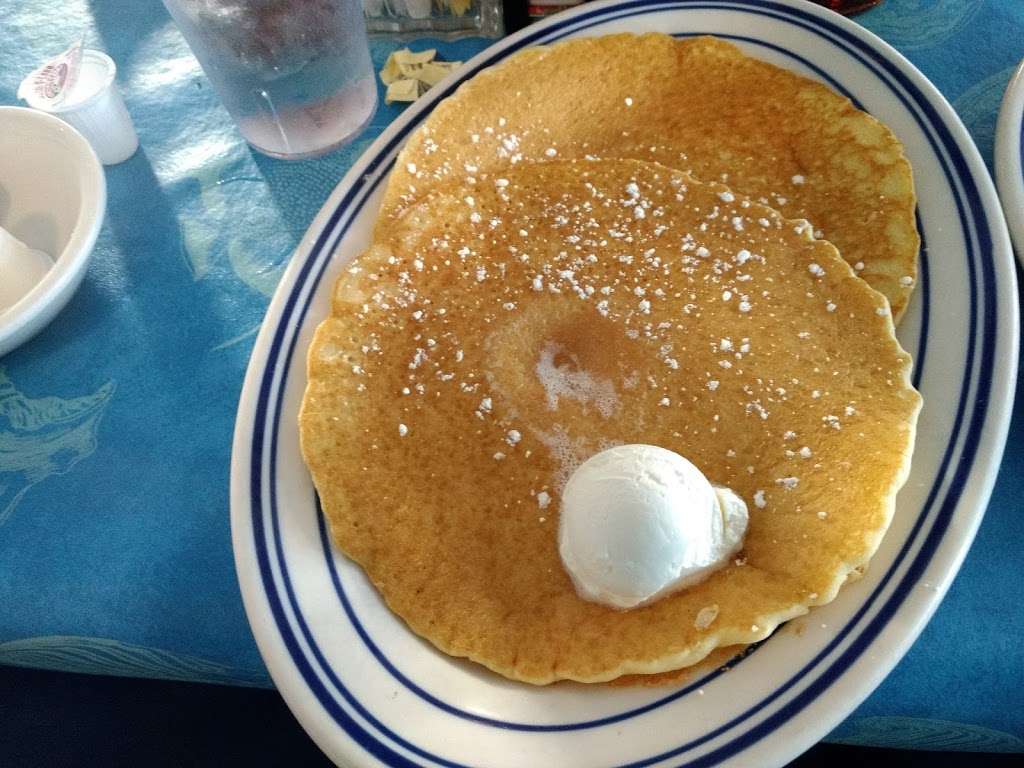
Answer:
[(121, 27), (300, 187), (55, 719)]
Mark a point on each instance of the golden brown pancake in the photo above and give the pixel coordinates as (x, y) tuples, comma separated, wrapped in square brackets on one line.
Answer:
[(665, 311), (698, 105), (720, 658)]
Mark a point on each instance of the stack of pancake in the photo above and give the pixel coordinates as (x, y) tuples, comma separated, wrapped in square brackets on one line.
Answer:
[(711, 252)]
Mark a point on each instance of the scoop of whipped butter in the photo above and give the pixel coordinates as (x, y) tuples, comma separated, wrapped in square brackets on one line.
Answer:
[(639, 522)]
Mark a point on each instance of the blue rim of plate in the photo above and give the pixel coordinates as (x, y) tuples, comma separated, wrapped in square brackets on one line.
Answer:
[(982, 333)]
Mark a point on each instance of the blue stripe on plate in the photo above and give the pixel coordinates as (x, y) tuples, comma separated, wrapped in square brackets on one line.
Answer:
[(319, 255)]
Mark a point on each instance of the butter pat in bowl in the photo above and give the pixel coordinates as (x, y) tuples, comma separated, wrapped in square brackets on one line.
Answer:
[(53, 196)]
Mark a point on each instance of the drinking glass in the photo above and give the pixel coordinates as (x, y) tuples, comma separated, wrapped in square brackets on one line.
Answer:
[(295, 75)]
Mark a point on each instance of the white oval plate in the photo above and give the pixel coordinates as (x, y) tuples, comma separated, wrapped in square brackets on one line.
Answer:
[(1010, 158), (371, 693)]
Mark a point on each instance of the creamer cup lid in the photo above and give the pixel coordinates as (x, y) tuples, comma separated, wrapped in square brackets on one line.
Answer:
[(47, 86)]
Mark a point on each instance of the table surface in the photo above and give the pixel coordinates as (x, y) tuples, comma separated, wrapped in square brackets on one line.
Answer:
[(116, 421)]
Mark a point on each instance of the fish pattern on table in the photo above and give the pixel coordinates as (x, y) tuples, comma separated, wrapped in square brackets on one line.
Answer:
[(978, 107), (43, 436), (104, 656), (924, 734), (210, 231), (917, 24)]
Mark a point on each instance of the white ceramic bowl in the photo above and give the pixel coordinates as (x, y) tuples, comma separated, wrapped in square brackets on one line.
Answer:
[(53, 195)]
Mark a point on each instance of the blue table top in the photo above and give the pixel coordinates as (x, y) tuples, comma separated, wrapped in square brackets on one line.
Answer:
[(116, 421)]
